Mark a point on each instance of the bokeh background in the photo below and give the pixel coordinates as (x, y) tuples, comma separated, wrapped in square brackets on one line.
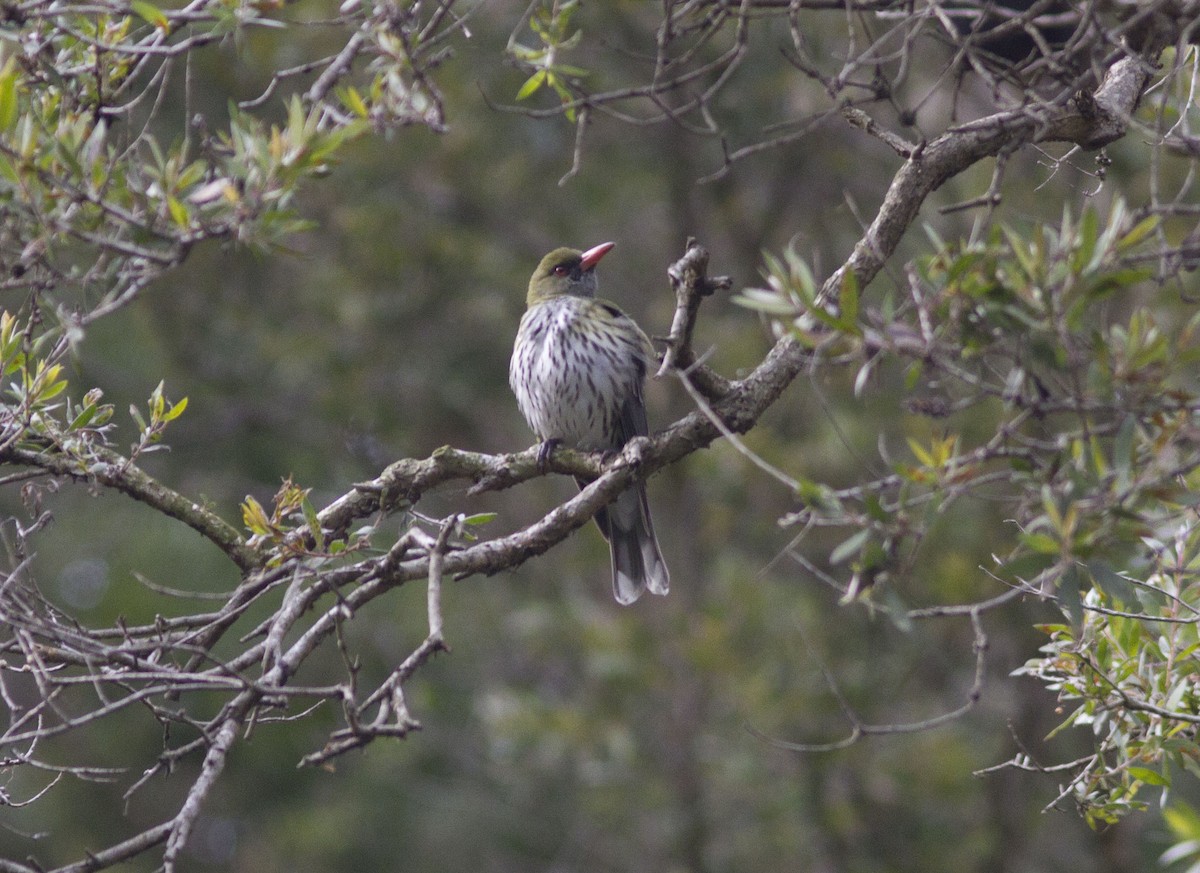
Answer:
[(562, 732)]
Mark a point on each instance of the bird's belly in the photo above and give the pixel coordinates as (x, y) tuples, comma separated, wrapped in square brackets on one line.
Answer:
[(569, 389)]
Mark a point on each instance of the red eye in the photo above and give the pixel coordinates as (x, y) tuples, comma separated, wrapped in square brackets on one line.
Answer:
[(560, 270)]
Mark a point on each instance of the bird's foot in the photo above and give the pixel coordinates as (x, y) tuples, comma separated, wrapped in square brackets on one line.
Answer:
[(545, 450)]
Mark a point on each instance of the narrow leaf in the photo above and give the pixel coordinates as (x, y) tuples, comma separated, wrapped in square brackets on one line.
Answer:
[(849, 547), (151, 14), (532, 84), (1145, 774), (179, 212), (8, 95), (1139, 232), (1070, 598), (480, 518), (176, 410)]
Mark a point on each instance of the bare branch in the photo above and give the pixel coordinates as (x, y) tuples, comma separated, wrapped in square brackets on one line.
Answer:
[(689, 278), (112, 470), (860, 729)]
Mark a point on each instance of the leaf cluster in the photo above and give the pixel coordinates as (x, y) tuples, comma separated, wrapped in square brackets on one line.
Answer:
[(1054, 347)]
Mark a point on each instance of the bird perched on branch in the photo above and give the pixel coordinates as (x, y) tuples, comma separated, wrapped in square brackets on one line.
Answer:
[(577, 369)]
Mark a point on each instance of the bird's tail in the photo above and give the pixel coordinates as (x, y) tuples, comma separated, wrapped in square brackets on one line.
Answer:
[(637, 563)]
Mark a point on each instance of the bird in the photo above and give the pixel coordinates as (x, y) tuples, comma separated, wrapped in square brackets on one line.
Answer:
[(577, 370)]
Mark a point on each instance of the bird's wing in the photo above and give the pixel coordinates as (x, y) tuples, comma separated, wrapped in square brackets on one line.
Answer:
[(633, 416)]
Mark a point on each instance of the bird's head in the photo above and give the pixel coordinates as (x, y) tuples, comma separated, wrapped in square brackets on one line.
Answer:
[(566, 271)]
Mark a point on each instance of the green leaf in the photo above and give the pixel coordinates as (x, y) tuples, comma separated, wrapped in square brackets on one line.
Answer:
[(1051, 629), (1145, 774), (52, 389), (104, 413), (8, 95), (1089, 230), (158, 402), (310, 517), (1028, 260), (255, 517), (355, 103), (1183, 821), (84, 418), (817, 496), (564, 93), (151, 14), (8, 171), (573, 72), (897, 609), (1123, 449), (1138, 232), (526, 53), (913, 374), (849, 547), (921, 453), (849, 297), (179, 212), (532, 84), (175, 411), (1070, 597), (136, 414), (801, 276), (1041, 543), (1114, 585), (480, 518), (874, 508), (764, 301)]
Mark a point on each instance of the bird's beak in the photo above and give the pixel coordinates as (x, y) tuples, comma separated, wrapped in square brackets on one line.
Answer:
[(592, 256)]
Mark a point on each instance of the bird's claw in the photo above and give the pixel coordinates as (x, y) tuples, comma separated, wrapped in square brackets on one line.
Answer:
[(545, 451)]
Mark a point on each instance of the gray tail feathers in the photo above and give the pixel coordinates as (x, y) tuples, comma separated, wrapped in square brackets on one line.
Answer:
[(637, 563)]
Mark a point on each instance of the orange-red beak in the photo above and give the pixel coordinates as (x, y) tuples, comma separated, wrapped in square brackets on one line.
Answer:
[(593, 255)]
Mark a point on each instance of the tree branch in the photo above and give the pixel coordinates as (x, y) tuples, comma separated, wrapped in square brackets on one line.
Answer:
[(689, 278), (1091, 121), (108, 468)]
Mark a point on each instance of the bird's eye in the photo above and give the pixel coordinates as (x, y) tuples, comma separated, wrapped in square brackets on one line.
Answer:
[(561, 270)]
